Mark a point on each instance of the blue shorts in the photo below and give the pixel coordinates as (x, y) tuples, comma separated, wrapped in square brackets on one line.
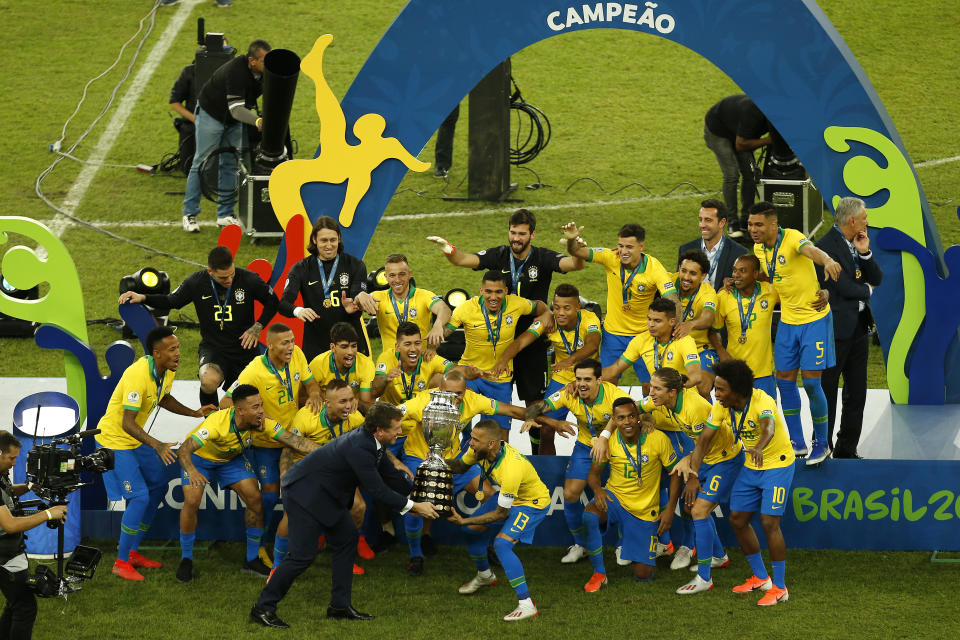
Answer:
[(717, 480), (266, 463), (460, 480), (499, 391), (578, 466), (612, 347), (223, 474), (767, 489), (708, 358), (522, 522), (767, 384), (639, 536), (552, 388), (807, 346), (135, 473)]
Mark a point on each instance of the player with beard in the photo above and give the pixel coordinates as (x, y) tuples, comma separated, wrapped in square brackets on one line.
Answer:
[(698, 304)]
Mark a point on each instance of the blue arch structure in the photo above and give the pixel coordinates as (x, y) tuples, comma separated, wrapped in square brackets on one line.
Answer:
[(785, 54)]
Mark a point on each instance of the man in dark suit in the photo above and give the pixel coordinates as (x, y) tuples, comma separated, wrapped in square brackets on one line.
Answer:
[(847, 243), (318, 492), (720, 250)]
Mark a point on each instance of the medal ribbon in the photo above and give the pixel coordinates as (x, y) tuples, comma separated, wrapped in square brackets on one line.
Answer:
[(716, 257), (772, 266), (516, 272), (589, 416), (216, 297), (745, 319), (686, 311), (657, 358), (328, 281), (576, 336), (738, 426), (492, 335), (408, 390), (641, 266), (634, 463), (406, 304), (288, 385), (243, 450), (485, 473), (853, 250), (156, 377), (336, 370), (325, 420)]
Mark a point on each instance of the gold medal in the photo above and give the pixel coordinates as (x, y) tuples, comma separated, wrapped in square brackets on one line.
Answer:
[(742, 339), (626, 306), (327, 303), (859, 273), (639, 481), (478, 494)]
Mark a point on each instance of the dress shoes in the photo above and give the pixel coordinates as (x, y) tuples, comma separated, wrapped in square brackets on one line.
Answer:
[(347, 613), (267, 619)]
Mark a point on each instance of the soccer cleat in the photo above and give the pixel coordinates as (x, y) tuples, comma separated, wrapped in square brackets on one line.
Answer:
[(753, 583), (415, 567), (775, 595), (226, 221), (125, 570), (440, 172), (522, 612), (190, 224), (682, 558), (696, 585), (799, 449), (358, 570), (185, 570), (715, 563), (818, 453), (265, 558), (664, 549), (621, 561), (139, 561), (256, 567), (476, 582), (596, 581), (364, 550), (574, 554), (321, 542)]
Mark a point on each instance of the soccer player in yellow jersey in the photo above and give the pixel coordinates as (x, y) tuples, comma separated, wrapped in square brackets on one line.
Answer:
[(746, 312), (344, 362), (470, 405), (658, 347), (218, 450), (805, 333), (489, 324), (765, 480), (404, 372), (523, 503), (139, 458), (592, 405), (633, 277), (403, 302), (576, 336), (698, 304), (630, 499), (279, 375)]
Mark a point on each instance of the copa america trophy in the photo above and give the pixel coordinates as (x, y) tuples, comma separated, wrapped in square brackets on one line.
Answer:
[(434, 481)]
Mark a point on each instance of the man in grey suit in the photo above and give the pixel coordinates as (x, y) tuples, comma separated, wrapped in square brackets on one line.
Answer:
[(318, 492), (720, 250)]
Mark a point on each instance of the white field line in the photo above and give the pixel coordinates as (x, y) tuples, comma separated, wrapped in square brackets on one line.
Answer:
[(151, 63), (936, 161)]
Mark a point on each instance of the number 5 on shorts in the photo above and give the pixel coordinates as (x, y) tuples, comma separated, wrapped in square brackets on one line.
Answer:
[(819, 346)]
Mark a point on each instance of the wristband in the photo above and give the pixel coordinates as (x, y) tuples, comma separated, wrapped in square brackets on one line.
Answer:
[(448, 249), (605, 434), (49, 515)]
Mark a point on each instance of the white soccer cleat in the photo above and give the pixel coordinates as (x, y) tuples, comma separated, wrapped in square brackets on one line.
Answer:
[(226, 221), (715, 563), (522, 612), (476, 583), (682, 558), (621, 561), (696, 585), (190, 224), (575, 553), (664, 549)]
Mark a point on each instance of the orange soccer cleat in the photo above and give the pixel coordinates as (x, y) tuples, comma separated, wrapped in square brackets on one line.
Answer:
[(138, 560), (753, 583), (126, 571), (358, 570), (775, 595), (364, 550), (596, 581)]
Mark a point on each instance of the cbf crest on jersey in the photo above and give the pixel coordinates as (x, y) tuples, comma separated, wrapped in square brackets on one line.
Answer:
[(764, 304), (239, 295), (532, 273), (344, 279), (644, 459)]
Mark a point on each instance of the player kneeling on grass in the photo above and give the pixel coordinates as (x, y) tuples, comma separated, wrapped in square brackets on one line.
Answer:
[(218, 451), (523, 502), (639, 453), (765, 480)]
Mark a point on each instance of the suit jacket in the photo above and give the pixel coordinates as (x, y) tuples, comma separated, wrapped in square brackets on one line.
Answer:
[(849, 290), (728, 255), (325, 481)]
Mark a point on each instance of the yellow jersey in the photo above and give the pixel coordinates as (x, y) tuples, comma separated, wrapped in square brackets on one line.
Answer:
[(417, 308), (793, 275), (778, 452), (138, 390), (639, 289), (317, 426), (757, 349), (219, 439), (515, 476), (652, 454), (567, 341), (406, 385), (279, 390), (692, 307), (676, 354), (359, 377), (690, 414), (593, 417), (415, 445), (488, 337)]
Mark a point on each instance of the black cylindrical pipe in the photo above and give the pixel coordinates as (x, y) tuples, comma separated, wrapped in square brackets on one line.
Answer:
[(281, 68)]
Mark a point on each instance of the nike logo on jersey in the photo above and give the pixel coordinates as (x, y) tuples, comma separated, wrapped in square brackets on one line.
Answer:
[(205, 297), (310, 284)]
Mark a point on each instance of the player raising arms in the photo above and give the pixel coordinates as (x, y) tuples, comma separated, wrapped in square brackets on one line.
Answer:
[(631, 497), (698, 304)]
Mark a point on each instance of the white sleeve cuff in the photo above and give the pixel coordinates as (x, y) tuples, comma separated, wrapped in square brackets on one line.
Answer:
[(408, 506), (296, 311), (505, 501), (866, 256), (605, 434)]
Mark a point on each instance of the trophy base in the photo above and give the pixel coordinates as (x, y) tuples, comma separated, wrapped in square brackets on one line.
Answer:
[(436, 487)]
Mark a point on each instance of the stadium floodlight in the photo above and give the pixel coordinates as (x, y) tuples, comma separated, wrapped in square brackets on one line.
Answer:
[(456, 297)]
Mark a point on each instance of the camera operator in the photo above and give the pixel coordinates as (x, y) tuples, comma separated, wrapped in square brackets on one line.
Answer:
[(21, 608)]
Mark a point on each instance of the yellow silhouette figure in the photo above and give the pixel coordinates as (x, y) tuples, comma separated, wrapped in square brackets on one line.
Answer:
[(338, 161)]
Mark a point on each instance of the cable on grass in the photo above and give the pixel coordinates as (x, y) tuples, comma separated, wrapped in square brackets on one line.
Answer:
[(537, 128)]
